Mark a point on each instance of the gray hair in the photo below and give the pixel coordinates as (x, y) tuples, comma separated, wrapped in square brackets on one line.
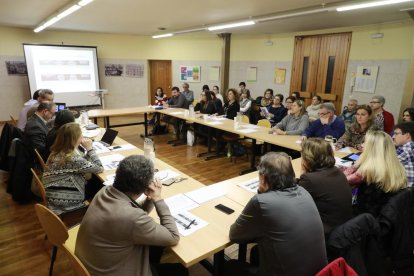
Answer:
[(276, 167), (379, 98), (134, 174), (45, 105), (43, 92), (329, 106)]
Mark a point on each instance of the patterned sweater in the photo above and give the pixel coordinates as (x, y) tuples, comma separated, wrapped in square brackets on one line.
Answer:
[(65, 185)]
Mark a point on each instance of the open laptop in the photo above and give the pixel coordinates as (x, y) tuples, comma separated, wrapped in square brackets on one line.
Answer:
[(60, 106), (109, 137)]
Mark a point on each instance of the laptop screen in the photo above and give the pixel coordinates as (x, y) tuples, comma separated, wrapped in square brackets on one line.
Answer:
[(60, 106), (109, 136)]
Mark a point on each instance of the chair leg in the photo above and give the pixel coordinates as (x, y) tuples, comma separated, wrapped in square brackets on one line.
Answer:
[(52, 260)]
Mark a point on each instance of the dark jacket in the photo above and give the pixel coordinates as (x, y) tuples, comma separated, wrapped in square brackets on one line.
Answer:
[(333, 197), (35, 134), (278, 113), (208, 108), (178, 101), (8, 133), (287, 227), (230, 110), (370, 199), (336, 128), (219, 106)]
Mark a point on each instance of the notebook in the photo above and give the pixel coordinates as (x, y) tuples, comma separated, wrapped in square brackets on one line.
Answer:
[(109, 137)]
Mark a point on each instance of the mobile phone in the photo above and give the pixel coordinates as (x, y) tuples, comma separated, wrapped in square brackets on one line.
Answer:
[(224, 209), (116, 147)]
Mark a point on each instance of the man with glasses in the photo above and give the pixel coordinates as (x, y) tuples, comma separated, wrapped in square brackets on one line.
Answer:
[(403, 139), (36, 128), (188, 94), (348, 114), (383, 119), (327, 124)]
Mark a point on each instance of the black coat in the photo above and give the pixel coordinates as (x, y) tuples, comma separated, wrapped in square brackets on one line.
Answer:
[(35, 134)]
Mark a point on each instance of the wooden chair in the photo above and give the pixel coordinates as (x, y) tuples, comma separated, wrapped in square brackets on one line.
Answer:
[(77, 266), (57, 234), (40, 159), (13, 121), (40, 187)]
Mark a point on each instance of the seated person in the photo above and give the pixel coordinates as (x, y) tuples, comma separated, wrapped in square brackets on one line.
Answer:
[(242, 87), (160, 97), (177, 99), (283, 220), (217, 94), (45, 95), (62, 117), (267, 98), (403, 139), (288, 103), (313, 109), (408, 114), (231, 107), (36, 130), (21, 123), (348, 114), (188, 94), (382, 173), (64, 177), (276, 111), (218, 103), (326, 184), (125, 248), (295, 122), (245, 102), (327, 124), (383, 118), (354, 136), (206, 105)]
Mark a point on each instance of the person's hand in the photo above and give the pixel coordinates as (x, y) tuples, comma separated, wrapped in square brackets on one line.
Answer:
[(154, 190), (87, 143), (280, 132)]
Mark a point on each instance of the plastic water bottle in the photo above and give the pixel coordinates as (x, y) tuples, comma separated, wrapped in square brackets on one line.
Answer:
[(148, 148), (191, 109)]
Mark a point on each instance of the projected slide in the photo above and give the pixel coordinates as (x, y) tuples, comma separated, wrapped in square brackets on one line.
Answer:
[(70, 71)]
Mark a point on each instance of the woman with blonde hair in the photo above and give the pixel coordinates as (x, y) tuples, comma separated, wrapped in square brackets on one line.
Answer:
[(66, 169), (382, 173)]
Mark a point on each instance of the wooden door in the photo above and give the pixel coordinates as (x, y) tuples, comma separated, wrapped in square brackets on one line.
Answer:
[(160, 76), (319, 67)]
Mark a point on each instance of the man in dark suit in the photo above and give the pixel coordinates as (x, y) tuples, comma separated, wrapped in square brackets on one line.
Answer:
[(36, 129)]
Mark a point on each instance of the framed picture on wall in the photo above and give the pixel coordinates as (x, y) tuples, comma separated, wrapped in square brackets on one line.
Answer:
[(190, 73)]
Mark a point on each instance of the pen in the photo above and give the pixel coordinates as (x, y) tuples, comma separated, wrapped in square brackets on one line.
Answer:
[(188, 226)]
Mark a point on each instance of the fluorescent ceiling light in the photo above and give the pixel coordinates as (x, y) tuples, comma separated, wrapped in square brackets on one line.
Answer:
[(231, 25), (39, 29), (51, 22), (68, 11), (162, 35), (84, 2), (370, 5)]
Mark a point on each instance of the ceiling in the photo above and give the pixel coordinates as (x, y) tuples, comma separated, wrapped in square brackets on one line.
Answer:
[(146, 16)]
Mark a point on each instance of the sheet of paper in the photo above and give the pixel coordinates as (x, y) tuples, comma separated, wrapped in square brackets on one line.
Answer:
[(109, 180), (215, 123), (91, 133), (176, 113), (217, 118), (247, 130), (99, 147), (180, 203), (205, 194), (166, 174), (188, 223), (250, 126), (250, 185), (345, 150), (122, 147), (342, 162), (110, 162)]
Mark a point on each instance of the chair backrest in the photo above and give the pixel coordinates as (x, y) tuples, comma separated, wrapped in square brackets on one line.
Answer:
[(55, 229), (264, 123), (40, 159), (40, 187), (77, 266), (245, 119), (13, 120)]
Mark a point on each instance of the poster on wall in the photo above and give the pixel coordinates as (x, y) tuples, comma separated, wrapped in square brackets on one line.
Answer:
[(214, 74), (114, 70), (134, 70), (251, 74), (366, 79), (280, 75), (190, 73), (17, 68)]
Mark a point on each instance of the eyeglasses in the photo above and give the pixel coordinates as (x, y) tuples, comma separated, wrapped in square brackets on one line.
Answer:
[(323, 114)]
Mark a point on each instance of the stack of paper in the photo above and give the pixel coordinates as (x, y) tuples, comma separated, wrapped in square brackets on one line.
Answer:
[(188, 223), (180, 203), (99, 147), (111, 162), (250, 185)]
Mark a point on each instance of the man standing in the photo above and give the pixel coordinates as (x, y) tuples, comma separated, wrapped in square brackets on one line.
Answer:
[(403, 139), (116, 236), (283, 220), (188, 94), (349, 111), (327, 124), (383, 119), (36, 128)]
